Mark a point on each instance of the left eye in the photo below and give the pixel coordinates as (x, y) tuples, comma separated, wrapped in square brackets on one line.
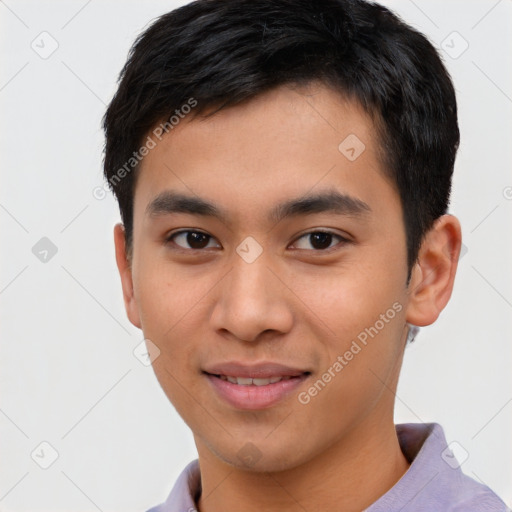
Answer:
[(320, 240)]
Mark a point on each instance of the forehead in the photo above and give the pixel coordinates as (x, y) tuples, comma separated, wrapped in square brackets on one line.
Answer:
[(281, 144)]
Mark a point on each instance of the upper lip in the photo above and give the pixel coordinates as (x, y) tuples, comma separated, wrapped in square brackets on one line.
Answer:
[(261, 370)]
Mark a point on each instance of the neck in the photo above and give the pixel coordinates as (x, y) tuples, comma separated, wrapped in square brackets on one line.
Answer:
[(350, 475)]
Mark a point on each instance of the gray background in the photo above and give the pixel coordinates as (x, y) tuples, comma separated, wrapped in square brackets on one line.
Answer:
[(68, 373)]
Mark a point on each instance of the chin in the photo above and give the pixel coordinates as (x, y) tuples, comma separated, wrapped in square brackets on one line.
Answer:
[(260, 456)]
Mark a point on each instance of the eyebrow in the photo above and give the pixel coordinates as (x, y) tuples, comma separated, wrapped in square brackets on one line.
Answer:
[(170, 202)]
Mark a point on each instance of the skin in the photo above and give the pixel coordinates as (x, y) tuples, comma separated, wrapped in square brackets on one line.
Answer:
[(294, 304)]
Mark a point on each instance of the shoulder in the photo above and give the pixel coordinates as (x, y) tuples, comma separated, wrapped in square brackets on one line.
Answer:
[(183, 494), (472, 496), (434, 480)]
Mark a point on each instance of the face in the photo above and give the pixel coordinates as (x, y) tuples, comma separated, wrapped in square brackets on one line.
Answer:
[(294, 274)]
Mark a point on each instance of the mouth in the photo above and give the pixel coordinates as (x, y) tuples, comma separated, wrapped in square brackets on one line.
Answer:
[(248, 381), (254, 387)]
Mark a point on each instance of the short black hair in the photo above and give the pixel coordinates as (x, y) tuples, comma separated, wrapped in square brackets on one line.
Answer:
[(219, 53)]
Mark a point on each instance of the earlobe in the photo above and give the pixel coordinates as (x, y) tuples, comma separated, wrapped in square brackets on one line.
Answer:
[(125, 272), (433, 274)]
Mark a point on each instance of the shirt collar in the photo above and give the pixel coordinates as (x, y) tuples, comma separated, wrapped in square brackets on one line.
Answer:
[(433, 481)]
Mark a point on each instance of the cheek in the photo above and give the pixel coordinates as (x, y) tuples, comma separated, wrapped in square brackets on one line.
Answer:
[(363, 359), (350, 299), (364, 308), (160, 289), (169, 306), (168, 303)]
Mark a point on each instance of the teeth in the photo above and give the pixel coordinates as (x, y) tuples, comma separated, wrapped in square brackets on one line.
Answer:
[(243, 381), (261, 382), (247, 381)]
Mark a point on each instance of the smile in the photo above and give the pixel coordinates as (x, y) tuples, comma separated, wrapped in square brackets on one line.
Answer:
[(253, 393), (247, 381)]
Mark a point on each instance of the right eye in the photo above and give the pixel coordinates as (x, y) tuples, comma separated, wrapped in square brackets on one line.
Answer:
[(196, 240)]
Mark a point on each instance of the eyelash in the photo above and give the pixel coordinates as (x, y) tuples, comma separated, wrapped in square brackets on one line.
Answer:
[(342, 239)]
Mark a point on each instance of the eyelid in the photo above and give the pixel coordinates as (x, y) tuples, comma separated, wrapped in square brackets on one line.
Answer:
[(168, 238), (343, 240)]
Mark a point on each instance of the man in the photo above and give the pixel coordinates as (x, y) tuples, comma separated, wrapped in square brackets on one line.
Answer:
[(283, 170)]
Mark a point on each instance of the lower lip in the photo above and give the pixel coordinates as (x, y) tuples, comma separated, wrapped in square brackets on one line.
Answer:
[(255, 397)]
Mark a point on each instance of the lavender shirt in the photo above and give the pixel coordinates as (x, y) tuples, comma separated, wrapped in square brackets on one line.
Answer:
[(433, 483)]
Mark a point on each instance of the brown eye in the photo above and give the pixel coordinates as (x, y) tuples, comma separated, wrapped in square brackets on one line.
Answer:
[(319, 240), (192, 240)]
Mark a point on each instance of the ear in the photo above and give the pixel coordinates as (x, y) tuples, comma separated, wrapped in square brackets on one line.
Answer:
[(433, 274), (125, 271)]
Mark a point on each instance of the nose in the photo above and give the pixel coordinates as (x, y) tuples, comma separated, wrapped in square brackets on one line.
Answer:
[(251, 300)]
